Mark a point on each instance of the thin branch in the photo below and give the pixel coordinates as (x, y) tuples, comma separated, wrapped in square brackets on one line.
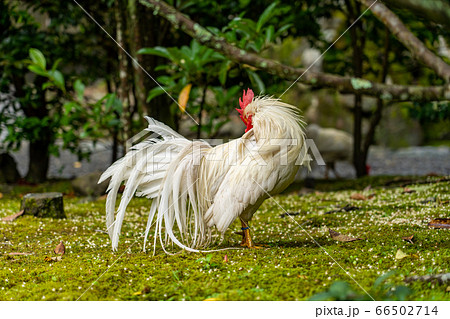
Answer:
[(317, 79), (409, 40), (437, 11)]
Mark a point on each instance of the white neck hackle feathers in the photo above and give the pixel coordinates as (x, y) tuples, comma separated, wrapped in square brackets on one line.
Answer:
[(195, 187)]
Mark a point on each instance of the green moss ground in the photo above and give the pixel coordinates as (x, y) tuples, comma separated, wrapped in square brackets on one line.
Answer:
[(292, 267)]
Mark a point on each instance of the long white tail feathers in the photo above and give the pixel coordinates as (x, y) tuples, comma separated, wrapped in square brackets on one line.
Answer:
[(163, 167)]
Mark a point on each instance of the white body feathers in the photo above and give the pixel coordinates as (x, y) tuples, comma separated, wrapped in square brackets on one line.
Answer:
[(195, 187)]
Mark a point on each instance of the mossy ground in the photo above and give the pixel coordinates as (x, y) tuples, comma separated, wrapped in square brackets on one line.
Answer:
[(291, 267)]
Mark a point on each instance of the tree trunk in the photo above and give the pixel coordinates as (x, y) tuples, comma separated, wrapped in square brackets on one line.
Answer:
[(376, 118), (39, 160), (358, 42), (159, 108), (136, 43), (37, 149), (123, 90)]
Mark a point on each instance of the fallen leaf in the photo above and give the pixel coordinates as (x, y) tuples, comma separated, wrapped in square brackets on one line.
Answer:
[(440, 223), (12, 217), (20, 254), (344, 238), (52, 259), (448, 289), (408, 239), (70, 194), (137, 293), (400, 255), (358, 196), (225, 259), (407, 190), (212, 299), (302, 276), (1, 195), (77, 164), (184, 97), (60, 249), (146, 290)]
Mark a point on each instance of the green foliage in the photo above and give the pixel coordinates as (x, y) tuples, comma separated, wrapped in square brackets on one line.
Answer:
[(44, 86), (79, 118), (430, 112), (211, 72), (34, 90), (206, 261), (202, 67), (72, 119), (342, 290), (253, 36)]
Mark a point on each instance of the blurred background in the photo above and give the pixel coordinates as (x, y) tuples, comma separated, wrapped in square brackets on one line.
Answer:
[(71, 97)]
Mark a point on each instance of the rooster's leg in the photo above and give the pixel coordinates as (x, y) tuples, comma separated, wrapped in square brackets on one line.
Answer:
[(246, 238)]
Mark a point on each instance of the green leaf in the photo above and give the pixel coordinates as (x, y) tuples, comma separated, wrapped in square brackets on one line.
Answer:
[(383, 278), (79, 88), (283, 28), (38, 58), (113, 122), (159, 51), (58, 78), (223, 72), (37, 69), (46, 85), (154, 93), (265, 16), (256, 80), (69, 106), (166, 80), (270, 31), (113, 103), (55, 65)]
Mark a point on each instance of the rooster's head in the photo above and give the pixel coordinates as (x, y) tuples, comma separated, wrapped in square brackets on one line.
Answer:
[(246, 116)]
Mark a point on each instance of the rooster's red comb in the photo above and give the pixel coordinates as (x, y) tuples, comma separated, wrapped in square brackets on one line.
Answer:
[(246, 99)]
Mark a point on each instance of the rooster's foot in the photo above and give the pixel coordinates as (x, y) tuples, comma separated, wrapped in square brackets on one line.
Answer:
[(247, 239)]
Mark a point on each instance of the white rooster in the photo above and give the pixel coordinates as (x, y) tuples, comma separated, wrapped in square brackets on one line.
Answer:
[(195, 187)]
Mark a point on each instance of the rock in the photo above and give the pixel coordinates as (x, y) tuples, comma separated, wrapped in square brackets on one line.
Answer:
[(440, 278), (43, 205), (86, 185), (8, 169)]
